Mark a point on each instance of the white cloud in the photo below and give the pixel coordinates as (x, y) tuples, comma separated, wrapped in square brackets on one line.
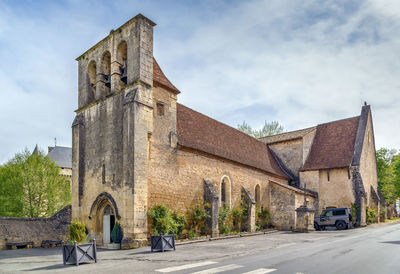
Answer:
[(309, 70), (298, 62)]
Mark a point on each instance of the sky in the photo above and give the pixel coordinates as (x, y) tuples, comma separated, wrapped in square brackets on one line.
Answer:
[(300, 63)]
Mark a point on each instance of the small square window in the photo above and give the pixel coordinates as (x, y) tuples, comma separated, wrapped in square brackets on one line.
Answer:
[(160, 109)]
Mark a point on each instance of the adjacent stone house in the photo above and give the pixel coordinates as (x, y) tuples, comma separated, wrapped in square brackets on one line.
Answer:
[(62, 156), (335, 160), (134, 147)]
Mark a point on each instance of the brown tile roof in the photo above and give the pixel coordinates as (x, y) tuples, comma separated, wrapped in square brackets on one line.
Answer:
[(295, 189), (160, 78), (202, 133), (333, 145)]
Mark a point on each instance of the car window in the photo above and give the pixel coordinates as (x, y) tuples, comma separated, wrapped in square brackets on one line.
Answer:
[(326, 213), (339, 212)]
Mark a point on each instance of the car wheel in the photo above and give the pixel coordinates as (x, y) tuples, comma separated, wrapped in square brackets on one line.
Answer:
[(340, 225), (316, 226)]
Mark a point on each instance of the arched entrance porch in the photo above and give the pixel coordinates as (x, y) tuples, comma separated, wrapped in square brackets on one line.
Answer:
[(104, 214)]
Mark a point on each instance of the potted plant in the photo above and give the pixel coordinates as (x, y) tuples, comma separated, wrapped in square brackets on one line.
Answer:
[(163, 226), (116, 236), (79, 249)]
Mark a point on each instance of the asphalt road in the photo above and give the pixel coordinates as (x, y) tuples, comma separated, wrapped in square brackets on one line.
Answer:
[(370, 250), (375, 249)]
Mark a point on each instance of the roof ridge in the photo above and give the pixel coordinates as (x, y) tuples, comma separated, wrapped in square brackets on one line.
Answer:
[(340, 120), (62, 147), (287, 132), (304, 129)]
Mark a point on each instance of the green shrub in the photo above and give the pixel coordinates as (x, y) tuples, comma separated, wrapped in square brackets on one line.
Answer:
[(197, 218), (371, 215), (237, 217), (180, 221), (192, 234), (77, 232), (382, 213), (223, 220), (116, 233), (161, 220), (244, 206), (263, 218)]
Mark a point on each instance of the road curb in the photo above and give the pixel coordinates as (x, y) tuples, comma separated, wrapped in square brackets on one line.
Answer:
[(192, 242), (226, 237)]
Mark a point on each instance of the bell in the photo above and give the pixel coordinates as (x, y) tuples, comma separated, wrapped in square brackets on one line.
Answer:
[(123, 69), (108, 80)]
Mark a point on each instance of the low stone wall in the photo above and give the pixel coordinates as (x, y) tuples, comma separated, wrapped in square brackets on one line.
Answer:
[(35, 230), (285, 200), (283, 206)]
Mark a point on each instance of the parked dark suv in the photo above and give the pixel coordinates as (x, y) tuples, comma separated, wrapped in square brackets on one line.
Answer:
[(338, 217)]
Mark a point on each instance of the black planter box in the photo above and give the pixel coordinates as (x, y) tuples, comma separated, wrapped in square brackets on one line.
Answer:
[(162, 242), (79, 253)]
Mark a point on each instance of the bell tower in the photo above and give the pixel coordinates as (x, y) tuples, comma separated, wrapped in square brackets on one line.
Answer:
[(111, 131)]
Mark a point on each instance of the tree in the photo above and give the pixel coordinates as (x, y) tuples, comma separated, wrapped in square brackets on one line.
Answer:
[(268, 129), (31, 186), (388, 166), (246, 128), (395, 164)]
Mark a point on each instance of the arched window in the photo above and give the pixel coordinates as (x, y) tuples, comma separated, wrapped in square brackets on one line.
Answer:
[(223, 191), (122, 56), (92, 81), (225, 196), (106, 70), (258, 195)]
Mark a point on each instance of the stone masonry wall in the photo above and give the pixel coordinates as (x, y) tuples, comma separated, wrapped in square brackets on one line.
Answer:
[(35, 229), (284, 202), (177, 174), (290, 153), (179, 184), (307, 143), (337, 191), (368, 168)]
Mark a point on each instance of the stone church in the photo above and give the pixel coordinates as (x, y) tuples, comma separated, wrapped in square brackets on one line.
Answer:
[(134, 147), (336, 161)]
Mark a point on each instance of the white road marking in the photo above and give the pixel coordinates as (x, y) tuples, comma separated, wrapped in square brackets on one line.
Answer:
[(285, 245), (182, 267), (218, 269), (261, 271), (316, 239)]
